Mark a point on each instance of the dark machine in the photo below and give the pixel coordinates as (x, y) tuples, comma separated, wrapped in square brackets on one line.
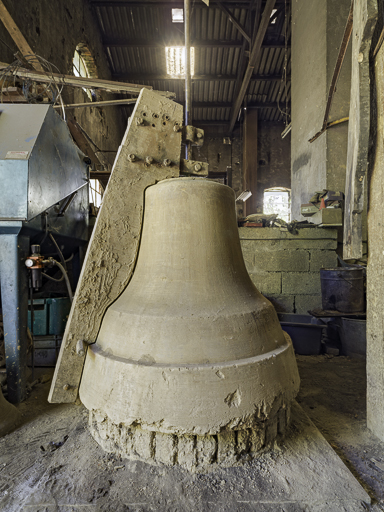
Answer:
[(43, 220)]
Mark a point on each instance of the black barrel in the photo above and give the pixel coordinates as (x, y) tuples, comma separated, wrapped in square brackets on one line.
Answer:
[(342, 289)]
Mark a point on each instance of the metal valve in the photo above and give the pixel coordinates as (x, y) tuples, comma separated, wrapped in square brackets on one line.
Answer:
[(35, 264)]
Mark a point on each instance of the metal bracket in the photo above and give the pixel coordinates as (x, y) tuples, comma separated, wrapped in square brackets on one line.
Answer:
[(193, 135), (193, 168)]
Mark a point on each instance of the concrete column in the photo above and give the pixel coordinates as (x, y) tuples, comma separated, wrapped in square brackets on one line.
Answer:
[(375, 281), (317, 31)]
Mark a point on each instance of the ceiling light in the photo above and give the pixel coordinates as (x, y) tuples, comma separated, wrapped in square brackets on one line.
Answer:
[(177, 16), (175, 58)]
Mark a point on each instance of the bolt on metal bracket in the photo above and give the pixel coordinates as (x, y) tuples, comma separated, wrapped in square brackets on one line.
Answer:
[(193, 135), (193, 168)]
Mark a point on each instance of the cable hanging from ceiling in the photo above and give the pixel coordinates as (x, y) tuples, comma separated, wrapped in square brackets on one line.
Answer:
[(33, 94)]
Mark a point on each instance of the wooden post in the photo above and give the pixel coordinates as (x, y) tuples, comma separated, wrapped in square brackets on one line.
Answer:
[(365, 17)]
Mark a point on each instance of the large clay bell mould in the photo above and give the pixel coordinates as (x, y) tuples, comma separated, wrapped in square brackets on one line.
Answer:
[(191, 346)]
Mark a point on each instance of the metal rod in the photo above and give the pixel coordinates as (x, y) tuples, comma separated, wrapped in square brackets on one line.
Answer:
[(188, 100), (109, 103)]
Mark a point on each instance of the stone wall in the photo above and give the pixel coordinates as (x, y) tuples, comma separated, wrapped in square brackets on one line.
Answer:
[(54, 30), (285, 267), (274, 159)]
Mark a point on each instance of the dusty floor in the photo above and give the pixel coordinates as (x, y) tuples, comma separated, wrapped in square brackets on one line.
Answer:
[(332, 393), (78, 475)]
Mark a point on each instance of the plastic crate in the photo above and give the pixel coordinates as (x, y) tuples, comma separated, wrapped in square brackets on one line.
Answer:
[(49, 316), (46, 350)]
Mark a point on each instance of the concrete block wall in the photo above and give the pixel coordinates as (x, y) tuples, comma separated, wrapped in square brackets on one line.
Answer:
[(285, 268)]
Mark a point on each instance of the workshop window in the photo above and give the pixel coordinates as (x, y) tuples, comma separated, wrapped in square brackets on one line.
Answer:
[(175, 58), (95, 193), (84, 66), (278, 200)]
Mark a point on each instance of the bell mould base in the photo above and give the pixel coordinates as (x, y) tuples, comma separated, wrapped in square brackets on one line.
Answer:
[(194, 453), (203, 399)]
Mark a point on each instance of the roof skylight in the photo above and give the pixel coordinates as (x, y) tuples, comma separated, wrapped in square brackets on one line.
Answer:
[(175, 58), (177, 16)]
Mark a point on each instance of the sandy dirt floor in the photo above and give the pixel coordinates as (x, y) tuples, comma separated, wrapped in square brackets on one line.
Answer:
[(51, 463), (333, 394)]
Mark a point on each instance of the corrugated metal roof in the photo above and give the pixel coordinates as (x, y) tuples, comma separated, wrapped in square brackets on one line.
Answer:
[(135, 35)]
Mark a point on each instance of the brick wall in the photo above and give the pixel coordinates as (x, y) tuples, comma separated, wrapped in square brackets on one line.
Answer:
[(285, 267)]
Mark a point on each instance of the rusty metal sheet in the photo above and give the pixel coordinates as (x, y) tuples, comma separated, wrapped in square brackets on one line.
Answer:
[(150, 152)]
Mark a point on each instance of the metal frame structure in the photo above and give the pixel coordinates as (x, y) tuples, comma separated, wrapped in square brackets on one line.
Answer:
[(40, 167)]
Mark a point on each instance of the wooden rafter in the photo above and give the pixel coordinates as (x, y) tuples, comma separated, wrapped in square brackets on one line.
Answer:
[(257, 104), (235, 22), (143, 77), (169, 4), (255, 51), (113, 42), (16, 35)]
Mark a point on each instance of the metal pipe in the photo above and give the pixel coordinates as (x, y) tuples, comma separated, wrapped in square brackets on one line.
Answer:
[(31, 330), (64, 272), (187, 49)]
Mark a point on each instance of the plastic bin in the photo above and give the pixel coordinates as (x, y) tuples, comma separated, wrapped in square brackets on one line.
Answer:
[(306, 336), (342, 289), (354, 338)]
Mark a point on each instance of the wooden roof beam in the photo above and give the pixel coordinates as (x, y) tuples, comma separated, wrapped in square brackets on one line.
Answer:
[(169, 4), (145, 43), (143, 77), (257, 104), (255, 52), (235, 22), (17, 36)]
